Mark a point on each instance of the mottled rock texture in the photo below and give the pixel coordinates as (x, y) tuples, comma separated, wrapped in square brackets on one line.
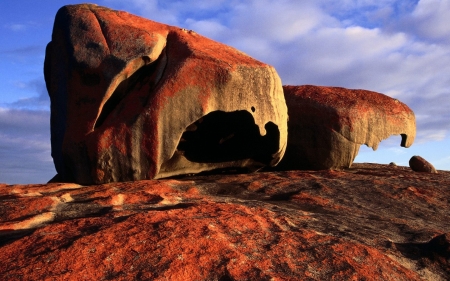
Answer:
[(419, 164), (133, 99), (327, 125), (369, 222)]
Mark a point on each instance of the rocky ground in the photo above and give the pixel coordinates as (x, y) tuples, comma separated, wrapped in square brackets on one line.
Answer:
[(370, 222)]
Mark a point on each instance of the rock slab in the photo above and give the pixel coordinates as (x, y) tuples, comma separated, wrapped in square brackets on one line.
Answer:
[(327, 125), (133, 99), (370, 222)]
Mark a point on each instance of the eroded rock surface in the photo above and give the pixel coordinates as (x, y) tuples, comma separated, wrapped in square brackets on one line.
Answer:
[(370, 222), (133, 99), (327, 125)]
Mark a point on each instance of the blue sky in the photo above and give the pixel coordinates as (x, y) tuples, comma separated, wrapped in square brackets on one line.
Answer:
[(397, 47)]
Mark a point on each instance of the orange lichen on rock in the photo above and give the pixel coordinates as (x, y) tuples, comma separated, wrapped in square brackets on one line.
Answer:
[(327, 125), (262, 226)]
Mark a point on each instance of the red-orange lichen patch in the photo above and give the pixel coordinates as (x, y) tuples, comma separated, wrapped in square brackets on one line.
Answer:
[(193, 191), (422, 193), (24, 207), (256, 185), (305, 198), (142, 197)]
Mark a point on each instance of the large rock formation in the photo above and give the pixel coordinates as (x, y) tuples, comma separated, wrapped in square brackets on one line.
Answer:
[(327, 125), (370, 222), (134, 99)]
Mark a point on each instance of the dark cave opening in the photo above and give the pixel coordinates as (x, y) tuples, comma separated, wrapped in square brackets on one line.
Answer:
[(228, 136)]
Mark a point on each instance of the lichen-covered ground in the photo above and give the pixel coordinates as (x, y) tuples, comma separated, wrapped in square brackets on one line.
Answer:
[(370, 222)]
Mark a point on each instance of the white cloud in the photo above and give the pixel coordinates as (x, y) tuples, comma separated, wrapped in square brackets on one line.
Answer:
[(25, 51), (22, 26), (431, 19), (36, 97), (41, 101), (337, 51), (29, 142), (442, 162), (397, 150), (16, 27), (208, 28), (147, 8), (31, 122), (427, 135), (282, 21), (25, 146)]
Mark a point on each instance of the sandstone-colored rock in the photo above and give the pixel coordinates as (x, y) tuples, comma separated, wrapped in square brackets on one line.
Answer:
[(369, 222), (327, 125), (134, 99), (419, 164)]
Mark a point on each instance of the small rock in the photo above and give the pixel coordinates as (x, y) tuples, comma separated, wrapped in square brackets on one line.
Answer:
[(418, 164), (392, 164)]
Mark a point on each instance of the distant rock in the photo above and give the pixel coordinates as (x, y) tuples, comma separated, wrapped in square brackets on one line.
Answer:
[(418, 164), (392, 164), (369, 222), (134, 99), (327, 125)]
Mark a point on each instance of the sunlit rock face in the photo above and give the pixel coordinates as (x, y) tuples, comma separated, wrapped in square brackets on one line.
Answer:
[(327, 125), (134, 99)]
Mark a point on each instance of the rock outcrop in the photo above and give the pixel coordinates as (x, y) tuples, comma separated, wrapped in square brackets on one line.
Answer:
[(419, 164), (327, 125), (369, 222), (133, 99)]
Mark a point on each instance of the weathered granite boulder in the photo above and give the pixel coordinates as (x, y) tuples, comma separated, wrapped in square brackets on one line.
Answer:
[(369, 222), (134, 99), (327, 125), (419, 164)]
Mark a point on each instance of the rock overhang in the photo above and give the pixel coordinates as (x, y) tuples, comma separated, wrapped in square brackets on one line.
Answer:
[(327, 125), (125, 90)]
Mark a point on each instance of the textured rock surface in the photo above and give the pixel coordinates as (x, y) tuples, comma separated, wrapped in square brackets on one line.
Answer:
[(419, 164), (370, 222), (327, 125), (134, 99)]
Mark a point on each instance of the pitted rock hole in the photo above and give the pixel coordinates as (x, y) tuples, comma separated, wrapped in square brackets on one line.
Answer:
[(404, 138), (228, 136), (150, 73)]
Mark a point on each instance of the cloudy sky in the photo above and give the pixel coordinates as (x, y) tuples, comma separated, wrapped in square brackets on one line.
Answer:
[(397, 47)]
